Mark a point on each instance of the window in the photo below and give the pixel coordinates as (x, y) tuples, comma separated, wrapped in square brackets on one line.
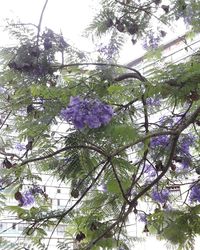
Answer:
[(58, 202), (61, 229), (14, 226), (58, 191)]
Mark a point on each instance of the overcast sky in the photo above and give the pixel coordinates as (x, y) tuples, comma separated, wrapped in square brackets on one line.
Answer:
[(70, 17)]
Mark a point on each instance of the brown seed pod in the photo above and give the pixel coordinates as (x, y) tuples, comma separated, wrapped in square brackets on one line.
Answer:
[(132, 28), (109, 23), (7, 163), (173, 167), (159, 166), (146, 230), (75, 193), (18, 196), (198, 170), (80, 236), (165, 8), (119, 26)]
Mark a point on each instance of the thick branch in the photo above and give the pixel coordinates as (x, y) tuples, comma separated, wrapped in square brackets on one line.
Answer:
[(137, 73), (129, 75)]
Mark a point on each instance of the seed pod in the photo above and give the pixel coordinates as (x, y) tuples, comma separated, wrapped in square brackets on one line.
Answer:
[(120, 27), (7, 163), (30, 108), (80, 236), (146, 230), (165, 8), (198, 170), (75, 193), (18, 196), (163, 33), (109, 23), (157, 2), (132, 28), (134, 41), (159, 166), (173, 167)]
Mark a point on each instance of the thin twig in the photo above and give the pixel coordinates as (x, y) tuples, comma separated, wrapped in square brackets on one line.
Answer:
[(40, 21)]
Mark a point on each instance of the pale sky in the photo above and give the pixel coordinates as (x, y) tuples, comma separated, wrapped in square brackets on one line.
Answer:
[(69, 16)]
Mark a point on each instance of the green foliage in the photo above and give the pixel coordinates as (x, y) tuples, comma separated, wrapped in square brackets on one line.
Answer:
[(129, 163)]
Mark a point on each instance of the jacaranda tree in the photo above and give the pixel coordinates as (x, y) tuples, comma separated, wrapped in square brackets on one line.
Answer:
[(125, 139)]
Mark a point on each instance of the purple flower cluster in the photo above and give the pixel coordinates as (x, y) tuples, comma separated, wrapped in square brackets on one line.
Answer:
[(186, 142), (160, 141), (142, 217), (109, 51), (150, 170), (27, 198), (20, 147), (151, 41), (153, 101), (195, 193), (87, 112), (160, 196)]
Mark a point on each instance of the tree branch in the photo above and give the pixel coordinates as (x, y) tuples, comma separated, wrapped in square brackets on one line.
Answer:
[(40, 20), (62, 150)]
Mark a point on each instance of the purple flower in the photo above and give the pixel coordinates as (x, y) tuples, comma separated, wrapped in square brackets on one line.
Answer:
[(2, 90), (142, 217), (160, 141), (20, 147), (108, 51), (160, 196), (26, 199), (186, 142), (151, 41), (87, 112), (153, 101), (195, 193), (150, 170)]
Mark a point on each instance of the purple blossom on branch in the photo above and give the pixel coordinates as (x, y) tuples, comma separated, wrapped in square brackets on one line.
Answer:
[(150, 170), (151, 41), (186, 142), (160, 141), (160, 196), (20, 147), (27, 198), (142, 217), (87, 112), (153, 101), (195, 193)]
